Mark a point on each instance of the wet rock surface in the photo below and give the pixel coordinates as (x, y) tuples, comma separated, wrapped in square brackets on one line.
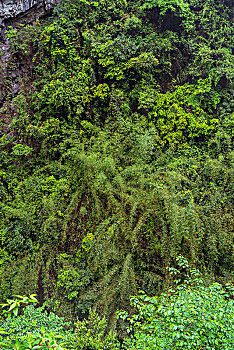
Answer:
[(12, 13), (11, 9)]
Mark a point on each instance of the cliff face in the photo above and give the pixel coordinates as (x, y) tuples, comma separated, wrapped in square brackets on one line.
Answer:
[(12, 9), (11, 13)]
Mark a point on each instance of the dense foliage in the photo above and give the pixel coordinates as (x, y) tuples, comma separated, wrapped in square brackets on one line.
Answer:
[(117, 152), (189, 316)]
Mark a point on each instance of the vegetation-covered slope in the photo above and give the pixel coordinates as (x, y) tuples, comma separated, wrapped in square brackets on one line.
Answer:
[(116, 155)]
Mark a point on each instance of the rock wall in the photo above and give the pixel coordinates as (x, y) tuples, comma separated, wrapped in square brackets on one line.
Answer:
[(13, 12), (13, 9)]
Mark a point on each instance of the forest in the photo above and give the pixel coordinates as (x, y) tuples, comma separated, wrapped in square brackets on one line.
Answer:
[(116, 178)]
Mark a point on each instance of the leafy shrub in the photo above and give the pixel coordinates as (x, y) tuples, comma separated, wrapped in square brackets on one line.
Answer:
[(184, 114), (188, 316), (14, 305), (43, 341), (31, 322), (91, 334), (33, 329)]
